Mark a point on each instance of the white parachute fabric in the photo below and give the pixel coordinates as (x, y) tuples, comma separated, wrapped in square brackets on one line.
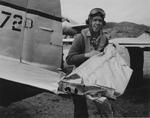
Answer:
[(109, 70)]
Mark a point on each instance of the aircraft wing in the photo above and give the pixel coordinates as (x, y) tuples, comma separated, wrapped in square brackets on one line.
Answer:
[(12, 70), (78, 28), (73, 29), (142, 41)]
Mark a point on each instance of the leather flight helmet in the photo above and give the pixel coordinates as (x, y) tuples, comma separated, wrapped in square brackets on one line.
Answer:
[(95, 12)]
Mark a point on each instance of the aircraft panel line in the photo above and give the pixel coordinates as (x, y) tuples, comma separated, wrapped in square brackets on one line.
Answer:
[(32, 11)]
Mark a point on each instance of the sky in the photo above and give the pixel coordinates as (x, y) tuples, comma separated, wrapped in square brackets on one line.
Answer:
[(136, 11)]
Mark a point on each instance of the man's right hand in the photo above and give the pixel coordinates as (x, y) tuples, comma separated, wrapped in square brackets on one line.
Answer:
[(92, 53)]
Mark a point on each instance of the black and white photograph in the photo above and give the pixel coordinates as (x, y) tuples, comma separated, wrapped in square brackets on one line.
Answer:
[(74, 59)]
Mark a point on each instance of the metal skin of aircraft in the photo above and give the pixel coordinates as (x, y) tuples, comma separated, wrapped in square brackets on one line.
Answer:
[(31, 42), (31, 31)]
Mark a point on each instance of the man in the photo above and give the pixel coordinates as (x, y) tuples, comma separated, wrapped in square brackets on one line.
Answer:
[(91, 41)]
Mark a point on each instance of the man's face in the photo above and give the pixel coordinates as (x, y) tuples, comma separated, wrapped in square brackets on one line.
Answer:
[(97, 23)]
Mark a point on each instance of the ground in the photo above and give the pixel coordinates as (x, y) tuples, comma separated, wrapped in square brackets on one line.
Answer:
[(134, 102)]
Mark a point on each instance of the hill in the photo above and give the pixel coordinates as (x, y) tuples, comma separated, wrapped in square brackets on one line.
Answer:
[(125, 29)]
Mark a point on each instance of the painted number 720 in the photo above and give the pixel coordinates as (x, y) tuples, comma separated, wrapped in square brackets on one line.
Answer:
[(17, 21)]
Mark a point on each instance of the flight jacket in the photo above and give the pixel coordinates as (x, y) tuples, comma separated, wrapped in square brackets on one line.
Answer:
[(81, 45)]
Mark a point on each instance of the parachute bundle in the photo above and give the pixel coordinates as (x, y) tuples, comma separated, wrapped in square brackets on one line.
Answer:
[(101, 75)]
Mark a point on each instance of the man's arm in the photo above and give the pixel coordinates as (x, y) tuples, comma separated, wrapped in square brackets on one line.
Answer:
[(76, 54)]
